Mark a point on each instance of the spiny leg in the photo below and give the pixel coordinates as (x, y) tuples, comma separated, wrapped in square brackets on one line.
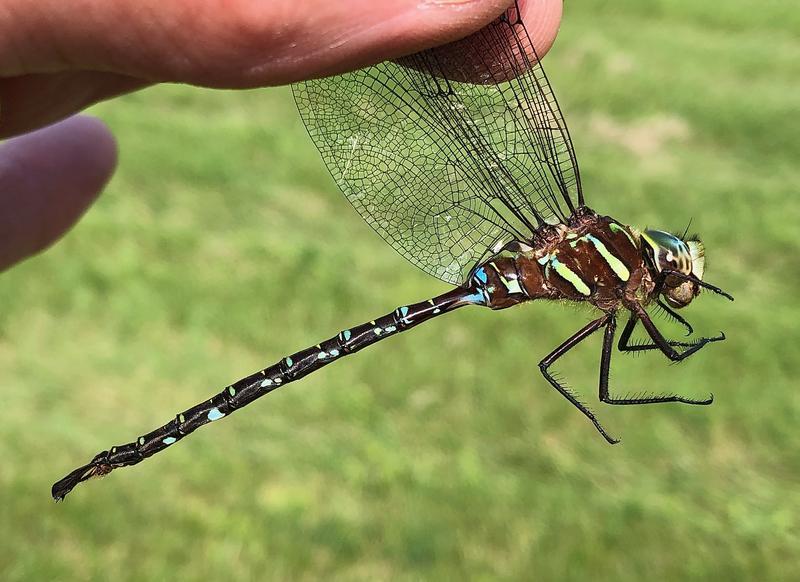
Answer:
[(665, 346), (566, 346), (605, 366), (676, 316), (625, 337), (659, 342)]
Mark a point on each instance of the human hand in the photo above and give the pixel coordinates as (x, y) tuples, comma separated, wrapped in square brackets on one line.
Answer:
[(56, 58)]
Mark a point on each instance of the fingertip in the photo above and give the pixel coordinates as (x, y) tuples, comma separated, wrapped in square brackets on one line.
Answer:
[(48, 178), (542, 19), (503, 50), (324, 38), (100, 152)]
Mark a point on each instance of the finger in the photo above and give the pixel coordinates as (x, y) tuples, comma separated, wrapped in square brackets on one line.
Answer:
[(226, 42), (32, 101), (239, 48), (47, 180), (498, 52)]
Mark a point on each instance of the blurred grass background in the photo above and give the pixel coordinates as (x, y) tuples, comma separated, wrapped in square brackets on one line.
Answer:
[(222, 245)]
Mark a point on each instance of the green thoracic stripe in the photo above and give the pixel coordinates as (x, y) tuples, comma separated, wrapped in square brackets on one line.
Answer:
[(511, 284), (617, 228), (616, 265), (569, 275)]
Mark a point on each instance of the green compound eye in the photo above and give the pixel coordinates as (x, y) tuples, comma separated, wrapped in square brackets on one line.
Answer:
[(671, 251)]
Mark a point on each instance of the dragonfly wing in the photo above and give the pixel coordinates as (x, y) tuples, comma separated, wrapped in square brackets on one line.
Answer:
[(451, 152)]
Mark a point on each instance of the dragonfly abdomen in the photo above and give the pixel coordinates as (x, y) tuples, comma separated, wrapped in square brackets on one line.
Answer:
[(287, 370)]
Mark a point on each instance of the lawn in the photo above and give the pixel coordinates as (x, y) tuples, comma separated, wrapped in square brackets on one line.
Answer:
[(222, 245)]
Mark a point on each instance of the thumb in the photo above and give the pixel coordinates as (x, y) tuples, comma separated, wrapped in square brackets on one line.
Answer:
[(47, 180)]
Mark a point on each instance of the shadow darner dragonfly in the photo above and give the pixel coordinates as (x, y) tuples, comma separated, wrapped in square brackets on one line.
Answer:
[(460, 158)]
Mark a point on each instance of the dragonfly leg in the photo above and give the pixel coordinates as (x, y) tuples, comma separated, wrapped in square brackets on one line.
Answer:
[(605, 365), (676, 316), (662, 344), (624, 344), (566, 346)]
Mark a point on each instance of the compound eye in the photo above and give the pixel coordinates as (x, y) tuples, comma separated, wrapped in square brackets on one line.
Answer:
[(668, 260)]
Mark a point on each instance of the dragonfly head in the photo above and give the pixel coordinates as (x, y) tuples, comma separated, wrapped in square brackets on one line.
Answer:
[(664, 251)]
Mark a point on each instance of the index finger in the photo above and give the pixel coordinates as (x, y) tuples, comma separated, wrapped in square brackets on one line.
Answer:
[(237, 43), (58, 58)]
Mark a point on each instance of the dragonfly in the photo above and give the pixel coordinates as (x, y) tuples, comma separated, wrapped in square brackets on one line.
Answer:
[(460, 158)]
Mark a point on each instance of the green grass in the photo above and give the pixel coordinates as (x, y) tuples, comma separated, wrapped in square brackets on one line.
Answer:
[(222, 245)]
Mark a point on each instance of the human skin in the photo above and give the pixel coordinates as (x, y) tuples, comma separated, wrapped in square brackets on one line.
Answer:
[(57, 58)]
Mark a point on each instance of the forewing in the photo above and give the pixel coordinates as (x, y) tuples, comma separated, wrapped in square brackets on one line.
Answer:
[(449, 153)]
